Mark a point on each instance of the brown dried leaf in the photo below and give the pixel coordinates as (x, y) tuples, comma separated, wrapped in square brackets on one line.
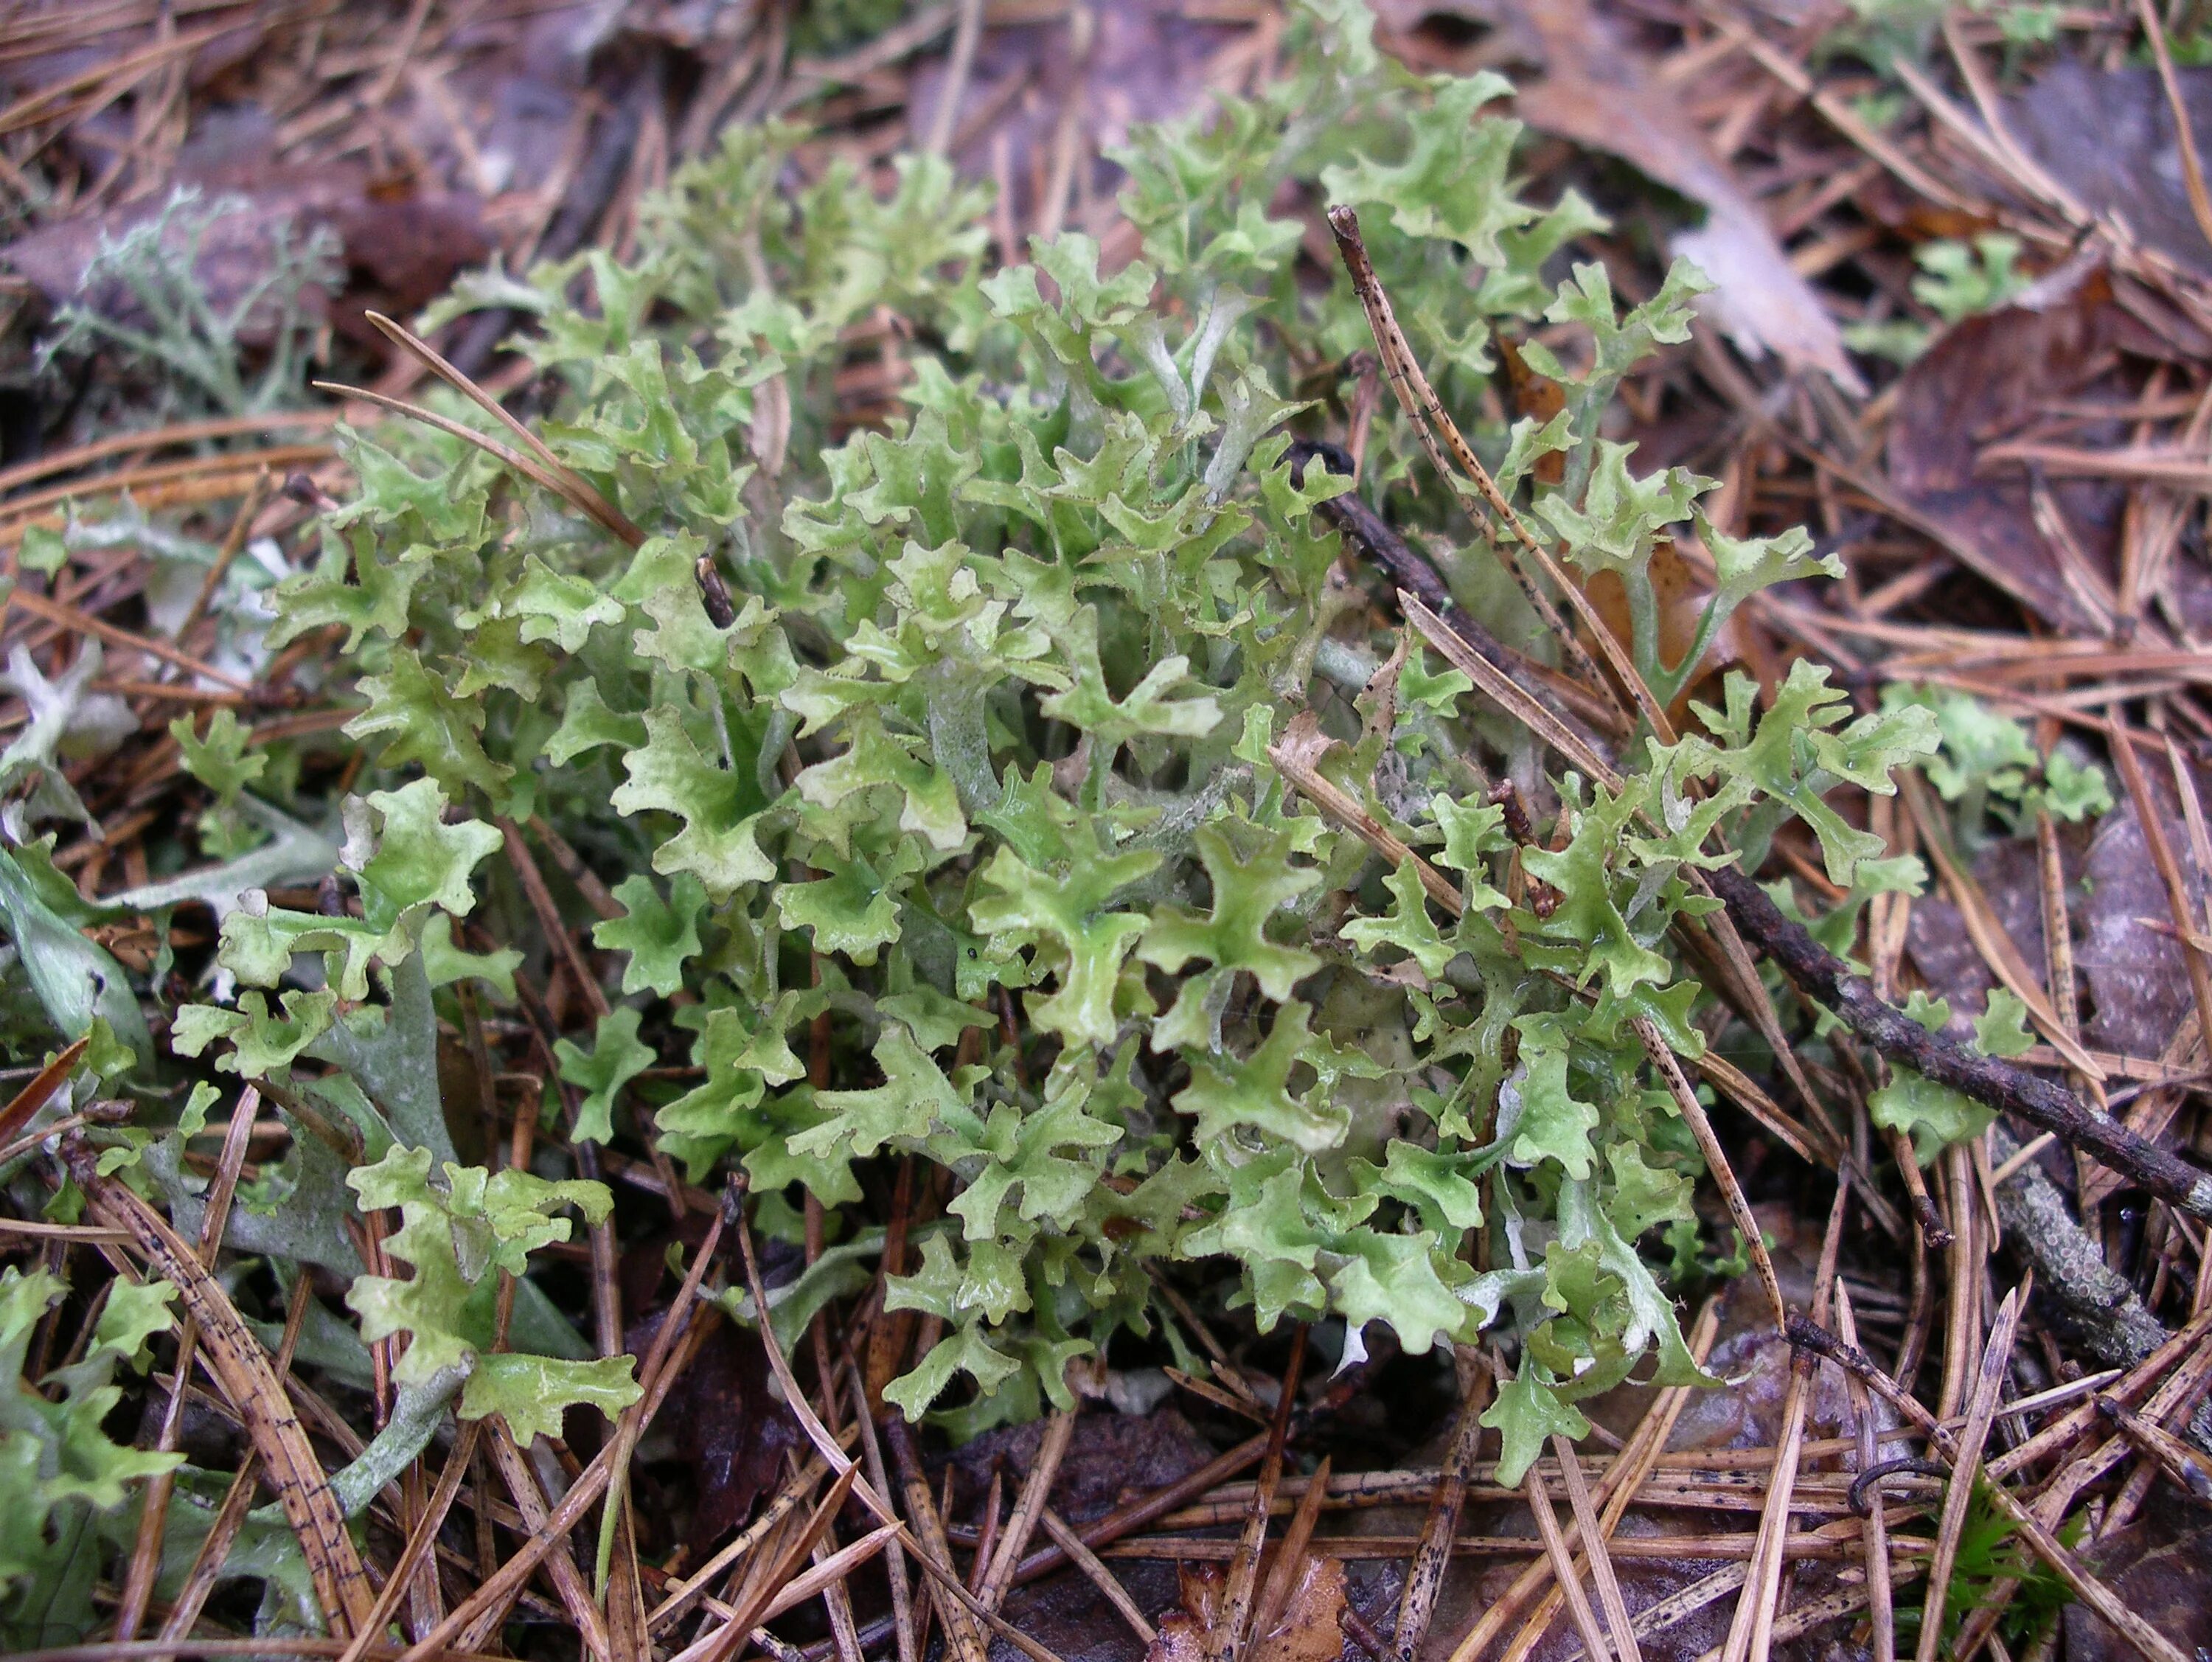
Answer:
[(2133, 171), (2135, 974), (1181, 1638), (1984, 380), (1146, 60), (2160, 1564), (1307, 1630), (1596, 92), (730, 1434)]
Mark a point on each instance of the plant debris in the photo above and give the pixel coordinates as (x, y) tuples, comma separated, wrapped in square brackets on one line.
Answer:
[(1222, 828)]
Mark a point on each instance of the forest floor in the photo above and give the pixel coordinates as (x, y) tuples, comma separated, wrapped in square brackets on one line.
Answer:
[(1961, 327)]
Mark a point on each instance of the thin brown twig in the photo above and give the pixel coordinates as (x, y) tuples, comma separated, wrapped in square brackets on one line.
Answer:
[(1820, 974)]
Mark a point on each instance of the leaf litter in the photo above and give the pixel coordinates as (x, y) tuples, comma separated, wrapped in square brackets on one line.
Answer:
[(2016, 516)]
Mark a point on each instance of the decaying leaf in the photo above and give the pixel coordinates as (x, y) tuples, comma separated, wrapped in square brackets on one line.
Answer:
[(2133, 170), (1596, 91), (1306, 1631)]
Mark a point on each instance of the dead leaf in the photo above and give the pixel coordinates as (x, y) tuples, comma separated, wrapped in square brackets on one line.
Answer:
[(2158, 1564), (1185, 1632), (2133, 170), (1984, 380), (1537, 398), (1596, 92), (731, 1436), (1307, 1630), (2136, 976), (1146, 60)]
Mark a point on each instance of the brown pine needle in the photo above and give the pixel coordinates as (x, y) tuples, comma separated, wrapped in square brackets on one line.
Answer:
[(1094, 1570), (1233, 1635), (418, 1541), (572, 485), (1029, 1508), (154, 1508), (2037, 1534), (238, 1362), (1716, 1160), (570, 488), (730, 1637), (683, 1596), (69, 617), (2192, 164), (1965, 1466), (1880, 1605), (933, 1557), (575, 1594), (1432, 424), (1619, 1487), (1290, 1559), (1563, 1569), (1614, 1608), (1424, 1581), (41, 1088), (658, 1375)]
